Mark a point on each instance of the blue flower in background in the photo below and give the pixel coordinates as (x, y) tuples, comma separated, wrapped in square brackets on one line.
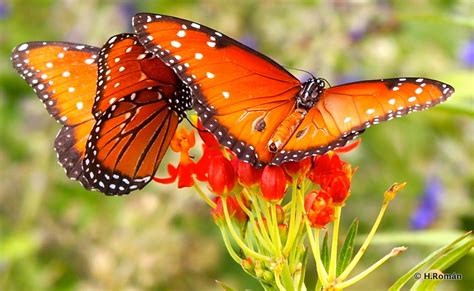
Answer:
[(249, 40), (428, 207), (467, 54), (127, 10), (4, 9)]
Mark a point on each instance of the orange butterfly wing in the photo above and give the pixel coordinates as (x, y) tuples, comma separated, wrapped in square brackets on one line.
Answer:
[(237, 90), (125, 68), (345, 111), (128, 142), (139, 104), (63, 75)]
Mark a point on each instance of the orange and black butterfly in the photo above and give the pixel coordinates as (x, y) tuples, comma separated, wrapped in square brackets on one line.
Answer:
[(262, 112), (119, 107)]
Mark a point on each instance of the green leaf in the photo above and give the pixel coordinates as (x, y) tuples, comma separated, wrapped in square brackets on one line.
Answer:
[(434, 238), (304, 262), (325, 251), (347, 248), (433, 257), (224, 286), (443, 263)]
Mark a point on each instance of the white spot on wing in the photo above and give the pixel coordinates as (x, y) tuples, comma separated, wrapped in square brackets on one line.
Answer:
[(176, 44), (23, 47)]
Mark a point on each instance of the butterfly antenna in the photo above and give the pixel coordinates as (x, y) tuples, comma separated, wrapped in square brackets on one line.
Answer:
[(304, 71), (326, 81)]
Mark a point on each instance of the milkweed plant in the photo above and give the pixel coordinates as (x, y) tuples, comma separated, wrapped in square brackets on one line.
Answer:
[(273, 219)]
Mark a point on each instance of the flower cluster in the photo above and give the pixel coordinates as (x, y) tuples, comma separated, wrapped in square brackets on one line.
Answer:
[(267, 214)]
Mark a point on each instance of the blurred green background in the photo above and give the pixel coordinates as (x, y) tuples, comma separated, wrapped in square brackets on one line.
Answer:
[(54, 235)]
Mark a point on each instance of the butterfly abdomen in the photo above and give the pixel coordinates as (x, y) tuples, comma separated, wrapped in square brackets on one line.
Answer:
[(286, 129)]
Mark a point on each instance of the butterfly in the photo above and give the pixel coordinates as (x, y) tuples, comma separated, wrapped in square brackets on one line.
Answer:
[(263, 113), (119, 107)]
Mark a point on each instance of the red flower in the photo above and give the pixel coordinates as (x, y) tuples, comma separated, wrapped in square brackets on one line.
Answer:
[(210, 149), (181, 143), (333, 175), (273, 183), (247, 174), (298, 169), (221, 175), (235, 211), (319, 208)]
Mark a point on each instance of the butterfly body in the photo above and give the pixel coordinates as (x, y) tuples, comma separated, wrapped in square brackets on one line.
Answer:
[(262, 112)]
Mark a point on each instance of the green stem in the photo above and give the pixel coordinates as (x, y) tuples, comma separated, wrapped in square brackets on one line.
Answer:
[(393, 253), (229, 247), (198, 189), (276, 230), (366, 243), (236, 237), (269, 224), (261, 224), (255, 229), (335, 237), (287, 278), (278, 282), (314, 243), (292, 226)]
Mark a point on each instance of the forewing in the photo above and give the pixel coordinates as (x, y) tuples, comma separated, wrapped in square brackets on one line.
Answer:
[(235, 87), (125, 68), (63, 75)]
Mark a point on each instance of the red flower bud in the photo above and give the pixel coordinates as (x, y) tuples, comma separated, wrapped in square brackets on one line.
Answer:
[(221, 175), (283, 231), (247, 174), (248, 264), (298, 168), (273, 183), (280, 213), (235, 211), (319, 208)]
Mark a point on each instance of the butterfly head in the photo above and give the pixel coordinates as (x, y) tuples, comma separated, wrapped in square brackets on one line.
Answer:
[(310, 92)]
